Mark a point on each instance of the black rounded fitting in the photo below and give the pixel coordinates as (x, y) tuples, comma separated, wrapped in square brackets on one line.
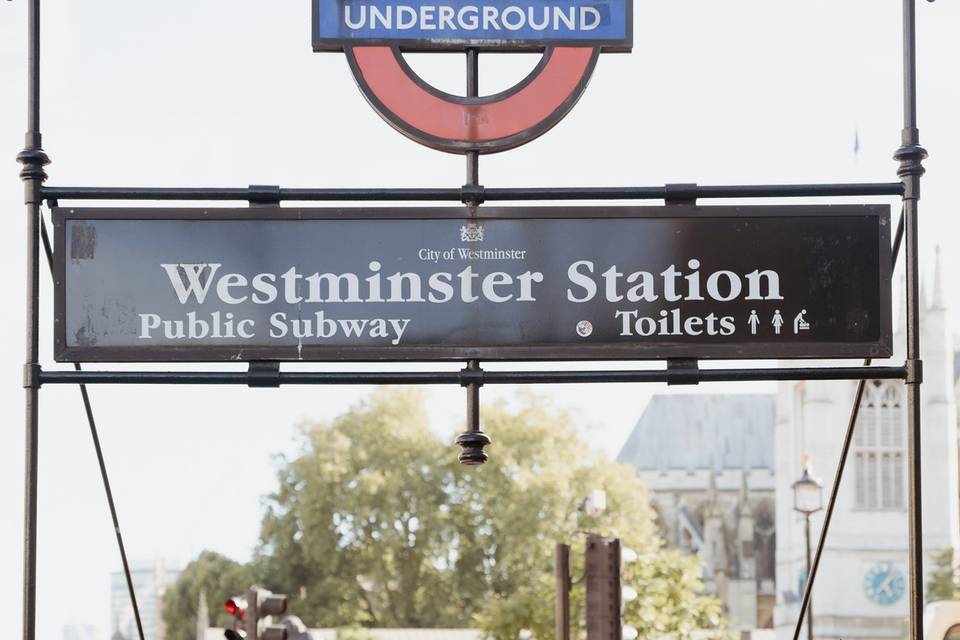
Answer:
[(472, 444)]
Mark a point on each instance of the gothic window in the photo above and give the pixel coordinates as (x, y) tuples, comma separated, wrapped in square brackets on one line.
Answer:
[(878, 448)]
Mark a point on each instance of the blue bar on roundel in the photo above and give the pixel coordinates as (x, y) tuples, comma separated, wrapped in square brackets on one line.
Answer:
[(456, 24)]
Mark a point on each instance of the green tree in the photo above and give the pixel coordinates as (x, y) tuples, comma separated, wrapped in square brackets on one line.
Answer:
[(360, 523), (542, 471), (943, 582), (215, 576), (376, 524)]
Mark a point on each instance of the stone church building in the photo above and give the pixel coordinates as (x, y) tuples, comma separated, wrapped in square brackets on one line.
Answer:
[(709, 461), (721, 467)]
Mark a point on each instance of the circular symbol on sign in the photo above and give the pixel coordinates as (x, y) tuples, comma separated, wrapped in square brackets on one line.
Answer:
[(458, 124), (584, 328)]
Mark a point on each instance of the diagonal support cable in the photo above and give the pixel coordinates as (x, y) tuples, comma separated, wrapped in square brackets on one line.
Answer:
[(88, 408), (841, 465)]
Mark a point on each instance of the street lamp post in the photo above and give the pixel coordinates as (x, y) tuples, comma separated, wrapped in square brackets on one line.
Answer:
[(808, 499)]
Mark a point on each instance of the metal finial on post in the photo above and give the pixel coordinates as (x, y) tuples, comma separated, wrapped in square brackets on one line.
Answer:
[(33, 159), (473, 440)]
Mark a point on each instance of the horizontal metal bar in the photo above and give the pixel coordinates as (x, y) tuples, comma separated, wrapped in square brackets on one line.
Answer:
[(484, 194), (684, 192), (466, 377), (242, 193)]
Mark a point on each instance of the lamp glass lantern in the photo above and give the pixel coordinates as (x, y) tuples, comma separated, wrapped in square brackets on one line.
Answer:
[(807, 492)]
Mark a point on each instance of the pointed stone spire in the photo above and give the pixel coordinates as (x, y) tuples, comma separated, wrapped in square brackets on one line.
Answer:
[(713, 497), (937, 301), (116, 629), (714, 541), (923, 293), (746, 556), (746, 510)]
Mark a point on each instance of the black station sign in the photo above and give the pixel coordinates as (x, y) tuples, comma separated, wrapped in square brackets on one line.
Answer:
[(273, 283)]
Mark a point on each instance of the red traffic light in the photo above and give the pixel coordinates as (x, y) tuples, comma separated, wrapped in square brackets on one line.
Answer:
[(236, 607)]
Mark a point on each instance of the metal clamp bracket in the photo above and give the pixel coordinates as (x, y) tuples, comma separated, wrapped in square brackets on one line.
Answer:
[(264, 194), (472, 194), (914, 373), (680, 193), (472, 374), (31, 376), (263, 374), (683, 372)]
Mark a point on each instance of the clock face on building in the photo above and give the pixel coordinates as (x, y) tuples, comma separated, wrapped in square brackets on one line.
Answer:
[(884, 583)]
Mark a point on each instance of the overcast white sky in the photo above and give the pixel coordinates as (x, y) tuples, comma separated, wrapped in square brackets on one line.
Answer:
[(228, 93)]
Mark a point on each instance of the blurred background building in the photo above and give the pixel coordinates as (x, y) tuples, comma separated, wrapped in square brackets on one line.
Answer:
[(82, 632), (150, 581), (861, 588), (721, 470), (709, 463)]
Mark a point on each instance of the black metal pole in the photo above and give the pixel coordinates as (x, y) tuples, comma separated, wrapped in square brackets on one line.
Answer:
[(561, 573), (910, 155), (33, 160), (473, 441), (806, 517), (473, 91)]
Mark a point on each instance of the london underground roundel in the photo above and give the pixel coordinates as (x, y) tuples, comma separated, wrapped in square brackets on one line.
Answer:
[(570, 34)]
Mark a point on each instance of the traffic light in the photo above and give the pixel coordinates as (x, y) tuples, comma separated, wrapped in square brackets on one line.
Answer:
[(263, 604), (237, 608), (251, 615)]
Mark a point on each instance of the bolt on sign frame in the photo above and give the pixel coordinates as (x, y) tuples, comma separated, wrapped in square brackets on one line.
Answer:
[(680, 371)]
